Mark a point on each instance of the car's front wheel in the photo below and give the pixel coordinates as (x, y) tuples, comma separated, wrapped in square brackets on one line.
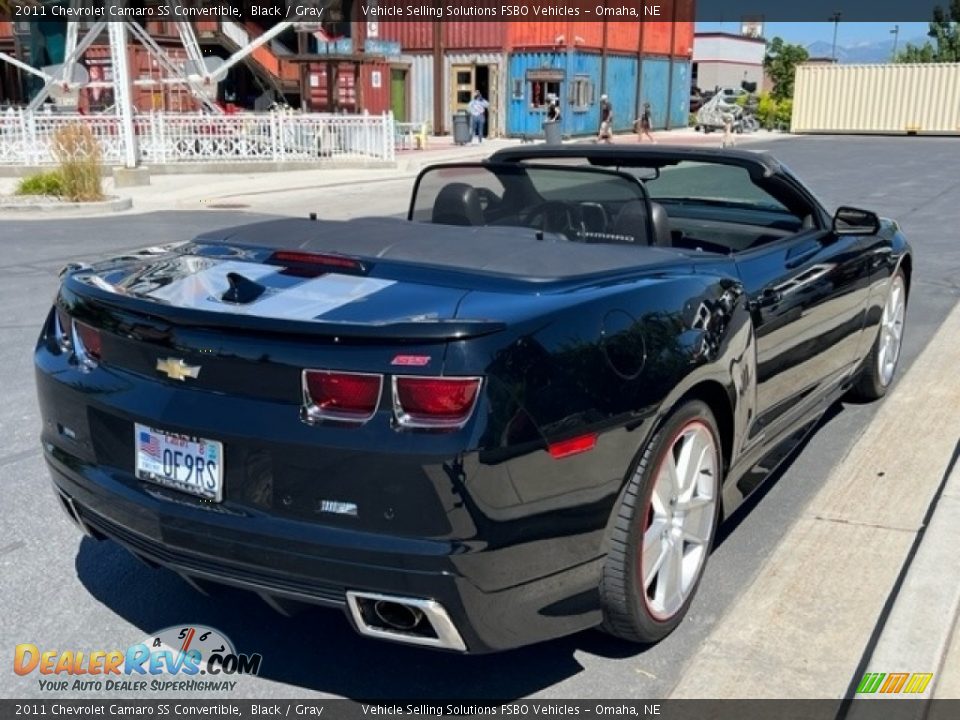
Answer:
[(877, 371), (664, 527)]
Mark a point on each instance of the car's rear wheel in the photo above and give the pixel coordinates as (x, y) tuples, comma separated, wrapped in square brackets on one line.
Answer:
[(880, 365), (664, 527)]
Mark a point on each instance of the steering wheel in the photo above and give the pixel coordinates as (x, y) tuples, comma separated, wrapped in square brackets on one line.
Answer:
[(552, 216)]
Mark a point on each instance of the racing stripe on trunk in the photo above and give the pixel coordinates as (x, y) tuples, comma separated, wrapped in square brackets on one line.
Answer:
[(285, 297)]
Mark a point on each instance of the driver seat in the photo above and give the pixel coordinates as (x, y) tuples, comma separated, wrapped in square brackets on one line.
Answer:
[(633, 221), (457, 203)]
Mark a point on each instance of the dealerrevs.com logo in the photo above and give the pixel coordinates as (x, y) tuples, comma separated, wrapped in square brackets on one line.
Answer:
[(179, 658)]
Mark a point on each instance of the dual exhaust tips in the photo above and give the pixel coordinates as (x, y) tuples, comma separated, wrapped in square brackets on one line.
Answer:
[(408, 620)]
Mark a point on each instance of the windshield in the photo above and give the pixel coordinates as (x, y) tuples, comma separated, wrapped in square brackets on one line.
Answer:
[(700, 183), (576, 203)]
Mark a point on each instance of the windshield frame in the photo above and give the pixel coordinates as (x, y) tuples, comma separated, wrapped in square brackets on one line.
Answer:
[(522, 169)]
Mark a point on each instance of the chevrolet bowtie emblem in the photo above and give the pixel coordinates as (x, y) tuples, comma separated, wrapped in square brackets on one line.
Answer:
[(177, 369)]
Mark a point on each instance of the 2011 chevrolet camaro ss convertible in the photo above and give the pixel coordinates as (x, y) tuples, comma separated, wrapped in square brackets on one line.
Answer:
[(517, 413)]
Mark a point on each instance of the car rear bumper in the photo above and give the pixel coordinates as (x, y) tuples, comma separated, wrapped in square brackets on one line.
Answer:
[(290, 564), (509, 547)]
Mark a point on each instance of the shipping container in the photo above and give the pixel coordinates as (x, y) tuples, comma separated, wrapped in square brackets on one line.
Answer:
[(332, 86), (418, 71), (624, 37), (375, 88), (466, 72), (574, 77), (412, 36), (680, 94), (621, 88), (654, 88), (657, 38), (556, 34), (540, 34), (888, 99), (474, 35), (683, 31)]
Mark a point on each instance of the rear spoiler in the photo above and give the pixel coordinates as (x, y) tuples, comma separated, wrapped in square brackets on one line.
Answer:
[(88, 301)]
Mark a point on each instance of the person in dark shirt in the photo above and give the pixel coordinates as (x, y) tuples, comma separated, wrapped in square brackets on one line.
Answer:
[(553, 110), (644, 123)]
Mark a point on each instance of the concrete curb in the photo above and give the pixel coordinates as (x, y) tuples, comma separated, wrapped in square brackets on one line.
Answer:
[(915, 637), (116, 204), (807, 619)]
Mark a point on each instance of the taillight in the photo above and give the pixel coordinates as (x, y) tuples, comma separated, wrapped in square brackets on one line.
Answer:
[(434, 402), (343, 396), (316, 263), (87, 344)]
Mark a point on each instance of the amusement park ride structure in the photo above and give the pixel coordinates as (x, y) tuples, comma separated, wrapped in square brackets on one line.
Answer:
[(199, 74)]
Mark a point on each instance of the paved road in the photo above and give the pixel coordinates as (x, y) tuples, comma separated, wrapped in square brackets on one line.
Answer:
[(61, 591)]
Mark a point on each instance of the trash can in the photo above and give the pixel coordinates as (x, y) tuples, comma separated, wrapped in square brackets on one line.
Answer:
[(551, 133), (461, 128)]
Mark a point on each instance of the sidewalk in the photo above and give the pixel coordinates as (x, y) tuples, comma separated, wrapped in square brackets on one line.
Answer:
[(867, 578), (196, 191)]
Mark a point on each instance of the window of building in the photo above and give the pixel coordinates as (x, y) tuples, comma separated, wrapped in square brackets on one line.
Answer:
[(542, 90), (581, 92)]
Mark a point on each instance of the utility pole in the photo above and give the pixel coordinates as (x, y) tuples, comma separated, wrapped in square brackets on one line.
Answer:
[(896, 36), (835, 18)]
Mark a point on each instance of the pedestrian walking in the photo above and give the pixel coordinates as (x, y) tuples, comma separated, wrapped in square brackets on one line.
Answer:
[(605, 133), (478, 115), (643, 124)]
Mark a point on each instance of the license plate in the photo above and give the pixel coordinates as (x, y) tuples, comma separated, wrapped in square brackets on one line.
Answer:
[(190, 464)]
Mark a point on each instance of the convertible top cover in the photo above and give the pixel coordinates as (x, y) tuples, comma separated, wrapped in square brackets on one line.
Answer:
[(506, 251)]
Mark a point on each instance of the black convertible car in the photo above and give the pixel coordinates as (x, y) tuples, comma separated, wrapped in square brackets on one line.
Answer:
[(520, 412)]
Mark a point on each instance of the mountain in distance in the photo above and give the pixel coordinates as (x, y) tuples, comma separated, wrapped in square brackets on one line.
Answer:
[(879, 51)]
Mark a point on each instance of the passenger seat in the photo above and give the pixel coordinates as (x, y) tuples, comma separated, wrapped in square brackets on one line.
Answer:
[(457, 204)]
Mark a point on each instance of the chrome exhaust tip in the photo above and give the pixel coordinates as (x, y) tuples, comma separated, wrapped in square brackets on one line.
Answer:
[(70, 508), (397, 615), (414, 621)]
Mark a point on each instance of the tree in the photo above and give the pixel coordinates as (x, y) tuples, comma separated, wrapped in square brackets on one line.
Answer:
[(780, 64), (945, 31)]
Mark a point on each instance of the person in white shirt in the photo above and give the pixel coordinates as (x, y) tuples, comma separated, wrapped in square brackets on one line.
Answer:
[(478, 115)]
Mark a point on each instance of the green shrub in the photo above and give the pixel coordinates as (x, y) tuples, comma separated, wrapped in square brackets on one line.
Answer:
[(76, 149), (43, 183), (784, 113), (766, 111)]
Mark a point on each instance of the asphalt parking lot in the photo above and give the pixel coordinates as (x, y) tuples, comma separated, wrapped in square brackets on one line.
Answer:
[(67, 592)]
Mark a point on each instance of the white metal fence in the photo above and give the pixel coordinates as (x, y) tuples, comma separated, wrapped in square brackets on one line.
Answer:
[(162, 138)]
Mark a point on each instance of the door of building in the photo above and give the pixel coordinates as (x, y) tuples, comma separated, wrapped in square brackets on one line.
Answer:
[(398, 94), (462, 83)]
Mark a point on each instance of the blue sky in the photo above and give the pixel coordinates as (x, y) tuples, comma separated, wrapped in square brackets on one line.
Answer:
[(851, 33)]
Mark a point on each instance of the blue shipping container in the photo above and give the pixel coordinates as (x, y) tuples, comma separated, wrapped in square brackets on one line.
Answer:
[(655, 78), (621, 87), (575, 78), (680, 100)]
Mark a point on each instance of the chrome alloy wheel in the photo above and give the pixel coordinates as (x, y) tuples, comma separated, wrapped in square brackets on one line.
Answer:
[(891, 330), (679, 520)]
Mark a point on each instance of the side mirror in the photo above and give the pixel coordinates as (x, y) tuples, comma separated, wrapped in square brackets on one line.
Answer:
[(852, 221)]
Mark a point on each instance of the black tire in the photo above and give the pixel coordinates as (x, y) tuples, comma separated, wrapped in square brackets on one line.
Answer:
[(627, 613), (870, 384)]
